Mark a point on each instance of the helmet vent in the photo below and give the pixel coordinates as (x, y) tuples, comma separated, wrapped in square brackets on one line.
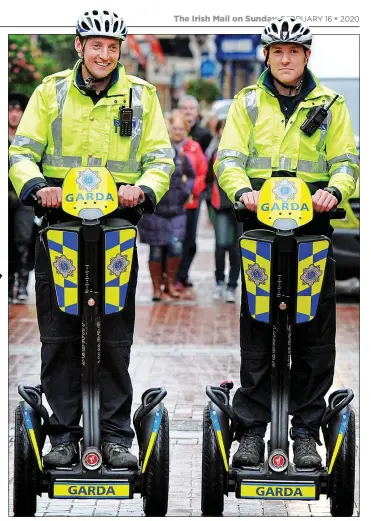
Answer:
[(115, 25), (106, 25), (296, 28), (95, 13), (274, 28), (85, 26), (105, 12), (97, 24)]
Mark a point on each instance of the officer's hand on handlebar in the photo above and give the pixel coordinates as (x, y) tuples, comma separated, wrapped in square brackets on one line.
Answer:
[(323, 201), (130, 196), (50, 196), (250, 200)]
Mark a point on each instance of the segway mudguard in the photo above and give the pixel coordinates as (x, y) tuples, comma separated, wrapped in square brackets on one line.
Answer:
[(32, 422), (335, 423), (220, 425), (147, 421)]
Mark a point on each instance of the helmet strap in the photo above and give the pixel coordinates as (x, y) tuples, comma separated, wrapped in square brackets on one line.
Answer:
[(296, 87)]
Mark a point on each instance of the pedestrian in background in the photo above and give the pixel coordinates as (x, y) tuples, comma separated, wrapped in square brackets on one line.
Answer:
[(194, 153), (164, 230), (20, 219), (190, 107), (227, 232)]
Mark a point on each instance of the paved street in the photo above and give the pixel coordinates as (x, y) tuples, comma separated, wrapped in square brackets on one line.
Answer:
[(183, 346)]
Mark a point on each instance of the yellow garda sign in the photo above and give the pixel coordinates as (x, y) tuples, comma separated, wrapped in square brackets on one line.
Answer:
[(278, 491), (91, 490), (89, 192), (285, 203)]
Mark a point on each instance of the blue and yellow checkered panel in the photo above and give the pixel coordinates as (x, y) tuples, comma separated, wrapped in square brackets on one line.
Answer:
[(312, 257), (256, 264), (119, 247), (63, 253)]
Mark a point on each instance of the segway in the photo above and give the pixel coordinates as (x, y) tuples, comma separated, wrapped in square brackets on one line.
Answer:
[(91, 259), (282, 276)]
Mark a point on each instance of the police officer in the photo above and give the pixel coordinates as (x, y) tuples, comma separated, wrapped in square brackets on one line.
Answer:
[(71, 120), (263, 138)]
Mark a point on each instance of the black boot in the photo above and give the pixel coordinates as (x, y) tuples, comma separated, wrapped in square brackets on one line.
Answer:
[(251, 449), (22, 293), (118, 456), (305, 451), (62, 455)]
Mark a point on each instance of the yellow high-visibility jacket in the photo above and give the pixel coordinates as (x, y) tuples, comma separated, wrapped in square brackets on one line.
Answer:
[(62, 128), (256, 141)]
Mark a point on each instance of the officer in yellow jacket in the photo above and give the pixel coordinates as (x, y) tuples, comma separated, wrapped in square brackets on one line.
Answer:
[(72, 120), (263, 138)]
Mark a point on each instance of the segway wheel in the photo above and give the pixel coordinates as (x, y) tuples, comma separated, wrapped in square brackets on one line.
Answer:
[(212, 492), (156, 486), (25, 471), (343, 474)]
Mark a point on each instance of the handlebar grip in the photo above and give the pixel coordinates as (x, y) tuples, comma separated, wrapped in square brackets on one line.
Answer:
[(36, 201), (337, 213)]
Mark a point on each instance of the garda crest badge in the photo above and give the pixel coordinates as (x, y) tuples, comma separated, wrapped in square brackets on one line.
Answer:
[(311, 275), (284, 190), (64, 266), (256, 274), (88, 180), (118, 264)]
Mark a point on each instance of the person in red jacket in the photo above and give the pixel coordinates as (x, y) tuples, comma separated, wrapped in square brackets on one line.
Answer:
[(194, 152)]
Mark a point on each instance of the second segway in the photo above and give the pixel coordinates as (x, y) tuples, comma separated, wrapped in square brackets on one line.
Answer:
[(282, 277)]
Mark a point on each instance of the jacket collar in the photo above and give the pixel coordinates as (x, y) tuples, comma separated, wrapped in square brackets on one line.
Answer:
[(311, 86), (118, 84)]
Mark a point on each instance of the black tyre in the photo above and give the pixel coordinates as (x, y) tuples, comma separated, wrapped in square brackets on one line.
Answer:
[(156, 483), (343, 474), (212, 492), (25, 471)]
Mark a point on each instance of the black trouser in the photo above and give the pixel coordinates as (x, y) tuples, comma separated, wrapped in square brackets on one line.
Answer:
[(60, 335), (313, 356)]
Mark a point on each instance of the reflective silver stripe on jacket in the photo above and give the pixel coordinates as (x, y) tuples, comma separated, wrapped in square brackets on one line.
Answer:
[(345, 169), (230, 159), (324, 129), (61, 94), (27, 142), (138, 119), (311, 167), (285, 163), (167, 169), (94, 161), (251, 106), (123, 167), (15, 158), (260, 162), (345, 157), (62, 161), (160, 153)]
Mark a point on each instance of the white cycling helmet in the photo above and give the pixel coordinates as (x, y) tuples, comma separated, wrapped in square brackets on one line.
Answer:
[(100, 22), (286, 30)]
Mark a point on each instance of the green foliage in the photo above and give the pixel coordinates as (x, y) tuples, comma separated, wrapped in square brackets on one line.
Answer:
[(33, 58), (203, 90)]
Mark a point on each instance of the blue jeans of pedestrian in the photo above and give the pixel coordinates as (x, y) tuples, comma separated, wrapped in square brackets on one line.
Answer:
[(227, 233)]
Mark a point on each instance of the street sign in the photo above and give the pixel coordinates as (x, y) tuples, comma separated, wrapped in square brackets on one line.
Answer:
[(208, 68)]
